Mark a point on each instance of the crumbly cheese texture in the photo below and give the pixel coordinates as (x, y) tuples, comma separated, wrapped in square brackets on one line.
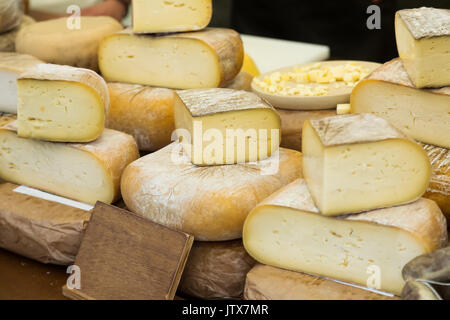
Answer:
[(61, 103), (423, 115), (11, 66), (153, 16), (225, 126), (354, 163), (8, 39), (204, 59), (63, 41), (287, 231), (210, 203), (84, 172), (423, 42)]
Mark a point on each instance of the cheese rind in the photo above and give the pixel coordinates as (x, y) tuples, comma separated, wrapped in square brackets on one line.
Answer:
[(423, 42), (286, 230), (210, 203), (243, 81), (61, 103), (423, 115), (153, 16), (204, 59), (84, 172), (360, 162)]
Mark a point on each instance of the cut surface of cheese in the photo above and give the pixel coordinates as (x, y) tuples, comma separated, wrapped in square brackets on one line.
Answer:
[(144, 112), (423, 42), (11, 12), (204, 59), (11, 66), (153, 16), (225, 126), (423, 115), (61, 103), (84, 172), (63, 41), (210, 203), (360, 162), (286, 230)]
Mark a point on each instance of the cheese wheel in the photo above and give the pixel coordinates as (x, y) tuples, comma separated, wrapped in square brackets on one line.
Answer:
[(204, 59), (216, 270), (243, 81), (88, 172), (210, 203), (62, 41), (11, 12), (8, 39), (292, 125), (286, 230)]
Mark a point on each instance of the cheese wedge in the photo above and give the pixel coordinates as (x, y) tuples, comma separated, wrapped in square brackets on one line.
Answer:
[(153, 16), (84, 172), (423, 42), (354, 163), (286, 230), (11, 66), (63, 41), (11, 12), (61, 103), (205, 59), (210, 203), (8, 39), (389, 93), (224, 126)]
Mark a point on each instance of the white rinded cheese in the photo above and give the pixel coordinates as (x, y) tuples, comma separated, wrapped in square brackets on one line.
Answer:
[(423, 42), (153, 16), (360, 162), (204, 59), (225, 126), (210, 203), (11, 12), (423, 115), (84, 172), (287, 231), (61, 103)]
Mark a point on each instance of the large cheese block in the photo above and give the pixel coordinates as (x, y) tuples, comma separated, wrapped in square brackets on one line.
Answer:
[(423, 42), (85, 172), (389, 93), (61, 103), (216, 270), (11, 66), (153, 16), (225, 126), (11, 12), (292, 125), (360, 162), (210, 203), (62, 41), (286, 230), (439, 187), (269, 283), (204, 59)]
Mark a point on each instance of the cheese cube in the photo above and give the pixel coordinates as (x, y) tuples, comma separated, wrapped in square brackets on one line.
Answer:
[(354, 163), (204, 59), (153, 16), (61, 103), (423, 115), (225, 126), (84, 172), (287, 231), (423, 42)]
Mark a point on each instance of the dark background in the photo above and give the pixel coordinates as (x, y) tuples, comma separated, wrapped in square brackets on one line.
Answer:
[(340, 24)]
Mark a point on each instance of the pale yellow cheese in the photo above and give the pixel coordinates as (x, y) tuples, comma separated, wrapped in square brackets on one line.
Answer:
[(360, 162), (210, 203), (84, 172), (423, 42), (424, 115), (61, 103), (153, 16), (343, 108), (287, 231), (204, 59), (225, 126), (62, 41)]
